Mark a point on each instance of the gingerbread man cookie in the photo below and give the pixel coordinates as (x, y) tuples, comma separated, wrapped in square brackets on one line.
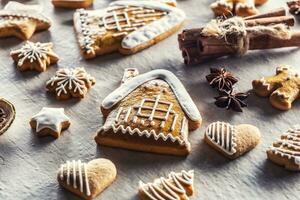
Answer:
[(87, 180), (22, 21), (150, 112), (176, 186), (232, 141), (241, 8), (283, 88), (69, 83), (126, 26), (50, 121), (286, 151), (34, 56)]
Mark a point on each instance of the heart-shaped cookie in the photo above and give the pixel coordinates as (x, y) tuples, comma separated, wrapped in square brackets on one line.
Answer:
[(7, 115), (87, 180), (232, 141)]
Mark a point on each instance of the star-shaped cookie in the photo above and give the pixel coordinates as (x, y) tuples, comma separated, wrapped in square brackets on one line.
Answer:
[(22, 21), (50, 121), (34, 56)]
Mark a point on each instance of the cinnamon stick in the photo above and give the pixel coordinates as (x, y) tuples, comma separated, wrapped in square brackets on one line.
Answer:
[(276, 13), (288, 20)]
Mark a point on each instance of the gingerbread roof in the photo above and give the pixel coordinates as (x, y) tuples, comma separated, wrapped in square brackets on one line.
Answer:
[(178, 89)]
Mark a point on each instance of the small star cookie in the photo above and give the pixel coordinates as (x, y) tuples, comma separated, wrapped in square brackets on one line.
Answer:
[(34, 56), (69, 83), (22, 21), (50, 121)]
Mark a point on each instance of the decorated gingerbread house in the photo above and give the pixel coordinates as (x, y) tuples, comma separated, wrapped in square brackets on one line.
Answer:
[(150, 112)]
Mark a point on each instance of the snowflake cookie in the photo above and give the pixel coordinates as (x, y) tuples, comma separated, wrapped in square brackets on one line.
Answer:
[(34, 56), (69, 83)]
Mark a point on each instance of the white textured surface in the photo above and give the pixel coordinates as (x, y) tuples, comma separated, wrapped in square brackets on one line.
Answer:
[(28, 164)]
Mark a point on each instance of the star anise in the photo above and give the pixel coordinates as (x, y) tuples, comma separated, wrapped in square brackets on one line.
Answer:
[(231, 100), (294, 6), (221, 79)]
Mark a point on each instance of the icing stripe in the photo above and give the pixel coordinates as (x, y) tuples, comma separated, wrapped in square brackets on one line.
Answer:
[(223, 135), (69, 173)]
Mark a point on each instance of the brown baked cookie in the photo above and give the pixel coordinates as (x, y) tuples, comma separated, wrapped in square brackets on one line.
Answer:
[(7, 115), (72, 3), (241, 8), (34, 56), (87, 180), (176, 186), (150, 112), (69, 83), (232, 141), (50, 121), (283, 88), (286, 151), (126, 26), (294, 6), (22, 21)]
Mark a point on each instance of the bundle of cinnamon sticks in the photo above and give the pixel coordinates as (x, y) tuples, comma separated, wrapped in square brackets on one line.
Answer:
[(196, 47)]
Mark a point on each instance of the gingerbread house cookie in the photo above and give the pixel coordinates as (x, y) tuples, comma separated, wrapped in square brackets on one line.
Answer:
[(126, 26), (150, 112), (22, 21)]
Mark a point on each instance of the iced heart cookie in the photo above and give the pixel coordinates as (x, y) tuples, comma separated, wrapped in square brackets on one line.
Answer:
[(7, 115), (22, 21), (150, 112), (87, 180), (283, 88), (241, 8), (125, 26), (232, 141), (72, 3), (50, 121), (176, 186), (34, 56), (286, 151), (69, 83)]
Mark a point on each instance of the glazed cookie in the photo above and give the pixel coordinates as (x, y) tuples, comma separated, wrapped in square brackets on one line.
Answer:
[(22, 21), (34, 56), (176, 186), (87, 180), (7, 115), (72, 3), (69, 83), (283, 88), (50, 121), (232, 141), (241, 8), (150, 112), (125, 26), (286, 151)]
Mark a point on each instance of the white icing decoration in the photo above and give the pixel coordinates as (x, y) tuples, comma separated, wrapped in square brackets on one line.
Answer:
[(178, 89), (71, 169), (50, 118), (223, 135), (222, 3), (132, 131), (70, 79), (289, 145), (134, 29), (171, 188), (34, 52), (248, 4)]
